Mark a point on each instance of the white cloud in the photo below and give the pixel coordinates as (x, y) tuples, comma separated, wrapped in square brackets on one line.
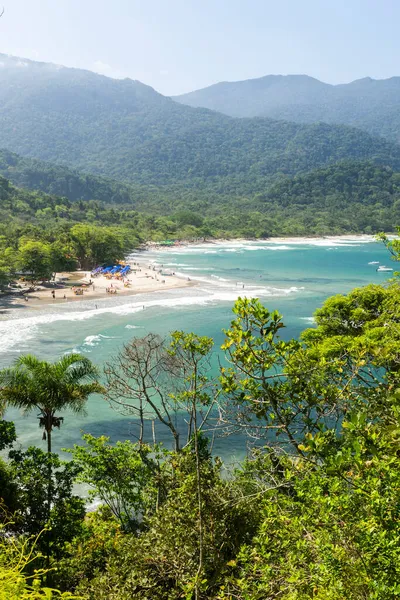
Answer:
[(105, 69)]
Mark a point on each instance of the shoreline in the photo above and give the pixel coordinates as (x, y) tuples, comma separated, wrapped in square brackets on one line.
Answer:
[(148, 246), (142, 279)]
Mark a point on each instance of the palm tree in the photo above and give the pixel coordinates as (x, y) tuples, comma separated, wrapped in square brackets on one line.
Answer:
[(49, 387)]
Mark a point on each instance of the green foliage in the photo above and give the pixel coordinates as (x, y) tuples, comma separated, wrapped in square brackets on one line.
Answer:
[(89, 552), (30, 475), (393, 245), (34, 260), (123, 476), (33, 384), (95, 245), (126, 131), (336, 534), (311, 514), (7, 434), (347, 197), (161, 563), (16, 558)]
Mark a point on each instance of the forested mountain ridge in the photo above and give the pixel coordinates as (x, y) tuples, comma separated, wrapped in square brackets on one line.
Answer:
[(60, 180), (349, 182), (125, 130), (372, 105), (349, 197)]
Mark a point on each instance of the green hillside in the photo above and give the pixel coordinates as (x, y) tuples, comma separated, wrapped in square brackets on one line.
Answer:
[(338, 185), (372, 105), (352, 197), (348, 196), (125, 130), (61, 181)]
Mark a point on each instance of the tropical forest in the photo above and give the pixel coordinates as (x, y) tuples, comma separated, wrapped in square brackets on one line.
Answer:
[(199, 301)]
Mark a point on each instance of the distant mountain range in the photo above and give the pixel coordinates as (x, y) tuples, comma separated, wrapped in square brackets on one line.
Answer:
[(369, 104), (125, 130)]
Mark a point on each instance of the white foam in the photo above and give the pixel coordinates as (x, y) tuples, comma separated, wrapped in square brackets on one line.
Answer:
[(219, 278), (15, 332), (278, 248), (278, 244), (308, 319), (95, 340)]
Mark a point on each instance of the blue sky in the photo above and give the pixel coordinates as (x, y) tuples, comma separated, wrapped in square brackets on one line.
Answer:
[(180, 45)]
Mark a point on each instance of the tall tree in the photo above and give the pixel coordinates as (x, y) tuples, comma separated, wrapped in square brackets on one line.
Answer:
[(49, 387), (34, 260)]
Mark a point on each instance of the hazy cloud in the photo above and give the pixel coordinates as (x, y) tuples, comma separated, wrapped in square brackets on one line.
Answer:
[(105, 69)]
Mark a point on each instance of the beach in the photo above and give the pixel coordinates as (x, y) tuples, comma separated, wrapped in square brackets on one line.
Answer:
[(293, 278), (143, 278)]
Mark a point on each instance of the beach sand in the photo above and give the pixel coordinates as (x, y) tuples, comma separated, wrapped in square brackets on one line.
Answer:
[(143, 279)]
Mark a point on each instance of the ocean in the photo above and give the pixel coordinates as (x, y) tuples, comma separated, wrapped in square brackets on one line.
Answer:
[(294, 277)]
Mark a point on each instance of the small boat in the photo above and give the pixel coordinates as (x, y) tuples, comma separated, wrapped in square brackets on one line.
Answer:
[(374, 262), (383, 268)]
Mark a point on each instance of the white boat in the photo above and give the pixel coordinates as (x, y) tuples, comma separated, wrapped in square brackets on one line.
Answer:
[(383, 268), (374, 262)]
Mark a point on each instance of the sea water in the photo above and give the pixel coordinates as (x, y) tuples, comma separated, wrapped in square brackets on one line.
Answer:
[(294, 277)]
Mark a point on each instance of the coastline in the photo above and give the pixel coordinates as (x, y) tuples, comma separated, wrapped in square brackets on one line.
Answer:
[(145, 279), (149, 246), (142, 279)]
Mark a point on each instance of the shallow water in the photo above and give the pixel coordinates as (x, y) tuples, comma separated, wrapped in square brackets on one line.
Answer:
[(292, 277)]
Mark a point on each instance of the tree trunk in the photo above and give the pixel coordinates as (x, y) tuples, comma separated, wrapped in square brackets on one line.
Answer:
[(200, 507), (49, 474), (48, 433)]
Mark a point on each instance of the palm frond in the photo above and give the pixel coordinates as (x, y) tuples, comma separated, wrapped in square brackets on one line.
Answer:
[(49, 387)]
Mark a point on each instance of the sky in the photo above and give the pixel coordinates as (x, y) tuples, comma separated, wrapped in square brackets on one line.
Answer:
[(177, 46)]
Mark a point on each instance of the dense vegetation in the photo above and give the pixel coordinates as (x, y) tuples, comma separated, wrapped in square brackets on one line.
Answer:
[(126, 131), (369, 104), (312, 513), (61, 181), (42, 234)]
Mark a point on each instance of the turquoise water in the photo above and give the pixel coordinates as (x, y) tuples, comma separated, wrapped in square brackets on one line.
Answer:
[(293, 277)]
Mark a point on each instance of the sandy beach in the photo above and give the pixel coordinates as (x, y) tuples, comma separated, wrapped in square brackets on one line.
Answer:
[(143, 278)]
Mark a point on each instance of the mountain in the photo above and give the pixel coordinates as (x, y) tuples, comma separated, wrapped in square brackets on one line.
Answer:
[(123, 129), (343, 183), (372, 105), (348, 197), (58, 180)]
